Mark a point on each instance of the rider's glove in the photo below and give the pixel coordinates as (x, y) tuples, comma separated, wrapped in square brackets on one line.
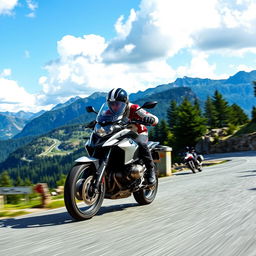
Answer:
[(148, 120)]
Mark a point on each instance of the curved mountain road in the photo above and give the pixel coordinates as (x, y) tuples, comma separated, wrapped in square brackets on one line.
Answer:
[(208, 213)]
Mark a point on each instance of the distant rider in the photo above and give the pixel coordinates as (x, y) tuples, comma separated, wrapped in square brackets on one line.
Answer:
[(118, 102), (192, 151)]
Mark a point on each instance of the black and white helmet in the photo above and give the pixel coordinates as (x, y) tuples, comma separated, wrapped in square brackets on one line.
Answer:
[(117, 100), (118, 94)]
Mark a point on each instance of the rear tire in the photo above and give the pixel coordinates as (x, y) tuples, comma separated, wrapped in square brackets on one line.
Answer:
[(78, 186), (146, 196)]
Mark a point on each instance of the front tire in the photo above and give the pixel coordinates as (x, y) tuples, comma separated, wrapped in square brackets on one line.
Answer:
[(80, 199), (146, 196), (192, 166)]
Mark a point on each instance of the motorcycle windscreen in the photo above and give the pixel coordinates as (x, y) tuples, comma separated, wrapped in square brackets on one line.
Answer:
[(111, 112)]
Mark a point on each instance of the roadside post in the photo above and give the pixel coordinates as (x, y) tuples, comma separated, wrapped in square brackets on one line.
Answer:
[(1, 202), (42, 188), (165, 162)]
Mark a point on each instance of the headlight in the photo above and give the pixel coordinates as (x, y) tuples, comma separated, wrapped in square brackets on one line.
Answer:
[(103, 130)]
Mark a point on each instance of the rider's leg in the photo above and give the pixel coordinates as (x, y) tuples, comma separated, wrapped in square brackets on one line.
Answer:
[(147, 159)]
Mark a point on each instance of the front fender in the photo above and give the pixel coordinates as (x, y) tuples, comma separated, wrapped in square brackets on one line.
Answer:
[(86, 159)]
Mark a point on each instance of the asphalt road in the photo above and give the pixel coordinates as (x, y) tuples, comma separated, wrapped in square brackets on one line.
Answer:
[(208, 213)]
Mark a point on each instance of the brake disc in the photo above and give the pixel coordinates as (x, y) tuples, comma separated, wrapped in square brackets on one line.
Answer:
[(88, 194)]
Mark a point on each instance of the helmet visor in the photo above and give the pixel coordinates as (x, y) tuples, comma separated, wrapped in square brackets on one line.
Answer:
[(117, 107)]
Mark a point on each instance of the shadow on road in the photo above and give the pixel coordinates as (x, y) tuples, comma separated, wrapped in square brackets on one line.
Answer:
[(182, 173), (37, 221), (115, 208), (56, 218), (252, 189), (253, 173)]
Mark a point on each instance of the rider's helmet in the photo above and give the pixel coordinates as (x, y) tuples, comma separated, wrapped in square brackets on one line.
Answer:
[(117, 100)]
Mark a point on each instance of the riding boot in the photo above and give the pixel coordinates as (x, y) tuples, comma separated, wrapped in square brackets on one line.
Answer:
[(151, 176)]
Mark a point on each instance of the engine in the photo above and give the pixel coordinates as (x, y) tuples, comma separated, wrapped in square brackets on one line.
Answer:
[(136, 171)]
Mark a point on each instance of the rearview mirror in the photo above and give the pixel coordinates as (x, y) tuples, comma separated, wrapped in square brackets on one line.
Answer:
[(91, 109), (149, 104)]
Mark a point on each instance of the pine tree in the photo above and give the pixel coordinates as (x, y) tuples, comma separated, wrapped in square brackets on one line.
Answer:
[(27, 182), (237, 115), (61, 180), (254, 114), (172, 114), (190, 125), (5, 180), (222, 109), (164, 133), (197, 106), (210, 113), (19, 182)]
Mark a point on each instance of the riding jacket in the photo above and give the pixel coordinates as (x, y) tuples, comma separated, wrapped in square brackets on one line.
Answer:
[(132, 114)]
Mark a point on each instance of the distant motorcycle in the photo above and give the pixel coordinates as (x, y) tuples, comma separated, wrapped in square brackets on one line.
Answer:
[(193, 161)]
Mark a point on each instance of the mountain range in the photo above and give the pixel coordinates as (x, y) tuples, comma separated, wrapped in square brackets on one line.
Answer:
[(12, 123), (236, 89), (75, 113), (18, 126)]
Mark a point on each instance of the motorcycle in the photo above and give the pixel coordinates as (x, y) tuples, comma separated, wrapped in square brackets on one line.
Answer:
[(112, 169), (193, 161)]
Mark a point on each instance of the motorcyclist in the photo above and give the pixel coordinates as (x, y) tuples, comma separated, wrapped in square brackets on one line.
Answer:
[(118, 102), (192, 151)]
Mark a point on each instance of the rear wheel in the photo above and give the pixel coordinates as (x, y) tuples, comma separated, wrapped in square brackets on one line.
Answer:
[(79, 195), (146, 196)]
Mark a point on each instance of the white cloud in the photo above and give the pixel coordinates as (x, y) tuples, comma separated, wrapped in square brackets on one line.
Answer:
[(6, 72), (32, 6), (81, 70), (14, 97), (242, 67), (236, 31), (199, 67), (137, 56), (135, 59), (6, 6), (160, 29)]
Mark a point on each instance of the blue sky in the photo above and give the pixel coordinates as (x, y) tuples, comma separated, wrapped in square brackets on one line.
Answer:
[(51, 50)]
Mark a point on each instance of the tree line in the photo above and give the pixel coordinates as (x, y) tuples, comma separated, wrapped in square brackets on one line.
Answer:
[(188, 122)]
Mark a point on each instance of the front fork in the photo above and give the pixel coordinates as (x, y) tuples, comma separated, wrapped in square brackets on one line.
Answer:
[(101, 171)]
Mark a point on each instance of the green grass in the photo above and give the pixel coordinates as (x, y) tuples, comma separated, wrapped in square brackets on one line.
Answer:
[(23, 205), (58, 197), (56, 204), (12, 214), (215, 163), (248, 128)]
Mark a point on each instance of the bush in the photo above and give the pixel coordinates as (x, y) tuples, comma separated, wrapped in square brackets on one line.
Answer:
[(231, 129)]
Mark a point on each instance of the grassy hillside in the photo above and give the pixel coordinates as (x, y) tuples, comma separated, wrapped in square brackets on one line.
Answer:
[(59, 142)]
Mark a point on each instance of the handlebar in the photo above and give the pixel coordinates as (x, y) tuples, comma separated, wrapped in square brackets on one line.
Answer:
[(123, 124), (138, 122)]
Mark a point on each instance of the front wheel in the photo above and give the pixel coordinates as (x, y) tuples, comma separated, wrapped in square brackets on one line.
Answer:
[(146, 196), (79, 194), (192, 166)]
